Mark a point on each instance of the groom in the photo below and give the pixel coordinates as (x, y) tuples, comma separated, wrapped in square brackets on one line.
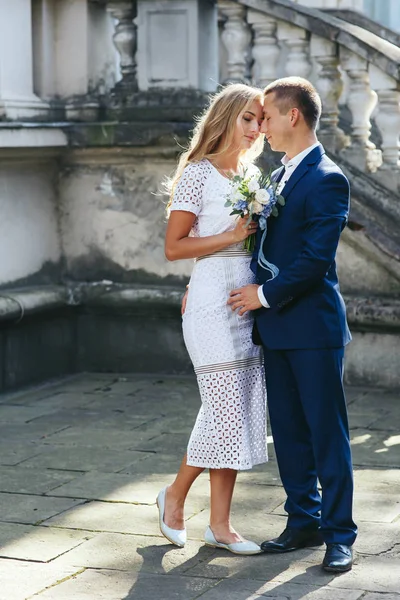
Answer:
[(300, 320)]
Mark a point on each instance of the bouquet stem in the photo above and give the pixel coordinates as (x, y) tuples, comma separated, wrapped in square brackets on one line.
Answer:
[(250, 243)]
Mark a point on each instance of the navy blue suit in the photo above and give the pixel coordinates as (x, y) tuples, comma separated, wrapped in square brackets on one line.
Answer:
[(303, 334)]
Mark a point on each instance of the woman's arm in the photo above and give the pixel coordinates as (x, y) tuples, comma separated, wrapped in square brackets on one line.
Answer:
[(179, 245)]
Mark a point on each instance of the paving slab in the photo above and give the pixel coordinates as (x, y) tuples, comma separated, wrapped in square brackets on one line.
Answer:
[(379, 479), (32, 481), (24, 508), (39, 544), (113, 487), (104, 438), (375, 448), (127, 552), (24, 414), (264, 567), (13, 453), (372, 596), (116, 517), (82, 458), (94, 418), (374, 574), (377, 507), (382, 538), (118, 585), (165, 465), (247, 589), (21, 580)]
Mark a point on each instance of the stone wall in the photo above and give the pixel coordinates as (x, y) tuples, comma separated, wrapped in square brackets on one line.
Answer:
[(112, 216), (30, 244)]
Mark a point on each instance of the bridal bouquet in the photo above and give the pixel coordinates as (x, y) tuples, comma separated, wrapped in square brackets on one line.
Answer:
[(256, 198)]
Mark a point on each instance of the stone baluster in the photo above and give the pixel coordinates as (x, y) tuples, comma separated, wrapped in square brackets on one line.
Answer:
[(236, 37), (388, 122), (297, 42), (125, 39), (361, 100), (329, 85), (266, 50)]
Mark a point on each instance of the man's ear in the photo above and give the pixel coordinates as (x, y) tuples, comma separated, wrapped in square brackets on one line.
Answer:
[(294, 116)]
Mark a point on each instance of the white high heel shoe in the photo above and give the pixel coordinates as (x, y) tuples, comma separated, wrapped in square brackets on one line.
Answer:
[(245, 547), (175, 536)]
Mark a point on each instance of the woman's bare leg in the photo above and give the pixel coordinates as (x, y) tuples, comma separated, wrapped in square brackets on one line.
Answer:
[(176, 494), (222, 482)]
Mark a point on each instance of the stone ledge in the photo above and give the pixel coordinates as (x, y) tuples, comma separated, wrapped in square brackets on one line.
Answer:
[(364, 313), (373, 314), (31, 135), (16, 304)]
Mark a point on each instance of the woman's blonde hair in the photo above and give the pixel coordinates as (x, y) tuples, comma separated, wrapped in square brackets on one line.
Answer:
[(215, 129)]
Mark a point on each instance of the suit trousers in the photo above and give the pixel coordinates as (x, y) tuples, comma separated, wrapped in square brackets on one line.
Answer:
[(308, 417)]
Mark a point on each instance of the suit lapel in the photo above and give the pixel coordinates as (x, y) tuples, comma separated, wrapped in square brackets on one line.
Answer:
[(278, 174), (302, 169)]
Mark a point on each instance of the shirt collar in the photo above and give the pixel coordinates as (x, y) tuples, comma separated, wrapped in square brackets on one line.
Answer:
[(296, 160)]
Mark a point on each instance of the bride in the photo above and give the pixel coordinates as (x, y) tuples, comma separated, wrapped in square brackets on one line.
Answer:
[(230, 430)]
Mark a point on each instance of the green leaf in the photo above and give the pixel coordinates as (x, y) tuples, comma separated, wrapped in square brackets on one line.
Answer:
[(228, 203), (281, 200), (274, 212)]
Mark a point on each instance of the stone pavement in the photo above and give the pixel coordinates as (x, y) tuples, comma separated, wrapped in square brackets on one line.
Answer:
[(81, 462)]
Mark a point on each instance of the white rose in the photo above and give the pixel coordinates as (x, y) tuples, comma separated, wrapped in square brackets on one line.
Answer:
[(238, 197), (262, 196), (253, 185), (256, 207)]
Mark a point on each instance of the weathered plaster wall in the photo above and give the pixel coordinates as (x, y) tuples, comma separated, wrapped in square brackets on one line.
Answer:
[(113, 217), (29, 237)]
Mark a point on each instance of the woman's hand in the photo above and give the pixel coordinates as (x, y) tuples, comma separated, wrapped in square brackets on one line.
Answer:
[(184, 300), (243, 229)]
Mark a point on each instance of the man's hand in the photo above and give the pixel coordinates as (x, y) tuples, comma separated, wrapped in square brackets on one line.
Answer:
[(245, 298)]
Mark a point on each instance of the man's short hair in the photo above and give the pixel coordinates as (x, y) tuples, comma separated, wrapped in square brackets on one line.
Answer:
[(296, 92)]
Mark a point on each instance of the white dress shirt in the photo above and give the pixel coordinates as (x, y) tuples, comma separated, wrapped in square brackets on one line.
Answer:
[(290, 167)]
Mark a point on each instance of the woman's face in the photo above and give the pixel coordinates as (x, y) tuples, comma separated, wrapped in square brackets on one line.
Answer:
[(248, 126)]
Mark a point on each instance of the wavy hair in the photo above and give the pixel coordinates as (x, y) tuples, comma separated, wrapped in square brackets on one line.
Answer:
[(215, 129)]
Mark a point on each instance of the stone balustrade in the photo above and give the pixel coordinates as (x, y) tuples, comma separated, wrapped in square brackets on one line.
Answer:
[(349, 66)]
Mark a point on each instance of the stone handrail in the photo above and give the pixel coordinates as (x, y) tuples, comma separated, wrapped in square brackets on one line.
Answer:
[(361, 20), (265, 39)]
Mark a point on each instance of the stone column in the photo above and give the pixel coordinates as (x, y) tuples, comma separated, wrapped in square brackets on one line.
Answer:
[(265, 49), (297, 42), (361, 101), (236, 38), (388, 122), (17, 100), (329, 85), (125, 39)]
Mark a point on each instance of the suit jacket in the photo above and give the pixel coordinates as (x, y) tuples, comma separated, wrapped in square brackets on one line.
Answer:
[(306, 307)]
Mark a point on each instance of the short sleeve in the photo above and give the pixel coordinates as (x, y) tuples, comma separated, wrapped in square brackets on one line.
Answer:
[(188, 193)]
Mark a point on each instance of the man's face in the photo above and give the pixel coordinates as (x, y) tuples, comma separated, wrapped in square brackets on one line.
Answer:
[(277, 127)]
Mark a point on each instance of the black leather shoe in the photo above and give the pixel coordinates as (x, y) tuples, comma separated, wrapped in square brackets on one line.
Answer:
[(293, 539), (338, 558)]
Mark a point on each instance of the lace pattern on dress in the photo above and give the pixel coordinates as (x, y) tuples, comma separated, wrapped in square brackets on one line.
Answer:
[(230, 430)]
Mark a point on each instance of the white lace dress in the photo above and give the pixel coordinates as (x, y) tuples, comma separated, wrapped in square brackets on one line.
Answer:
[(230, 430)]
